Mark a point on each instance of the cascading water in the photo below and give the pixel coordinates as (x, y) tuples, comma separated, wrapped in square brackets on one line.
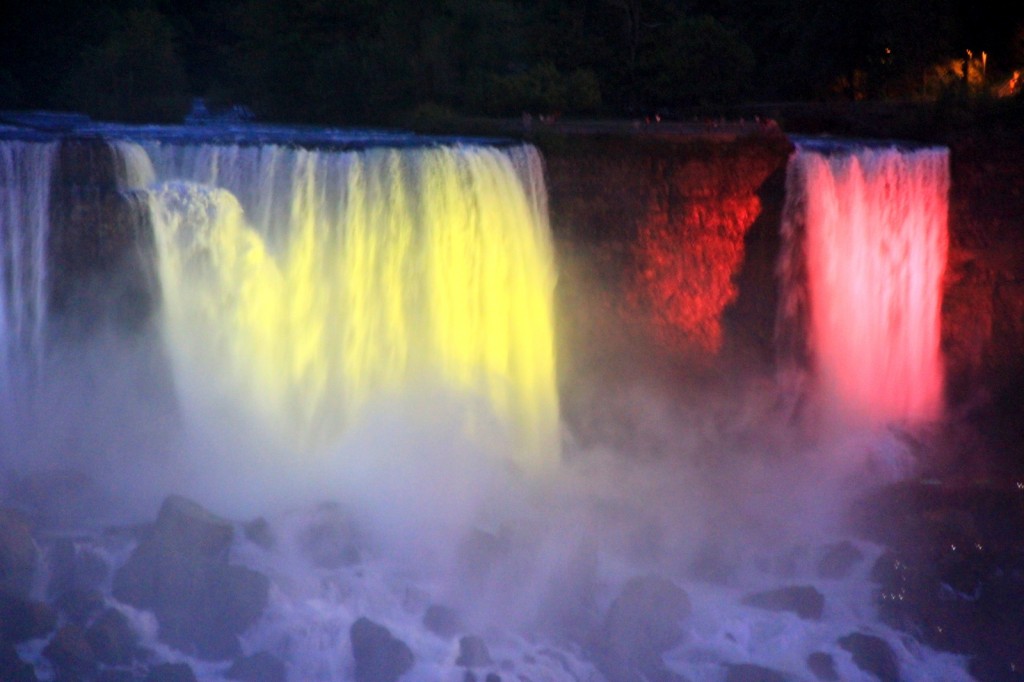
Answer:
[(864, 253), (26, 169), (301, 291), (310, 284)]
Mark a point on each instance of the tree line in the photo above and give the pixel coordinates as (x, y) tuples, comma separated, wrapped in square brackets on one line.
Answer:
[(375, 61)]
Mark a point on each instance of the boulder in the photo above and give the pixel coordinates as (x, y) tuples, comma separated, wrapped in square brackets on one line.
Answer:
[(73, 568), (823, 666), (803, 600), (22, 619), (872, 655), (838, 560), (180, 572), (473, 653), (442, 621), (112, 638), (79, 606), (750, 672), (330, 540), (379, 655), (12, 668), (644, 621), (70, 653)]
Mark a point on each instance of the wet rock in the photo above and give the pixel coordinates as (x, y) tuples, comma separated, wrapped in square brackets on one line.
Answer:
[(379, 656), (682, 214), (838, 560), (101, 243), (258, 531), (180, 571), (996, 668), (479, 553), (78, 606), (473, 653), (112, 638), (442, 621), (873, 655), (22, 619), (643, 621), (330, 540), (12, 668), (18, 553), (70, 653), (953, 575), (749, 672), (171, 672), (259, 667), (822, 666), (803, 600), (73, 568)]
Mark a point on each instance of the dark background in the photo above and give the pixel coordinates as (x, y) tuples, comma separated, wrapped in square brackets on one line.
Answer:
[(394, 61)]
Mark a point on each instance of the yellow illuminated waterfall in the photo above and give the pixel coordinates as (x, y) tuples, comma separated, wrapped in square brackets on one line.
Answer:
[(397, 269)]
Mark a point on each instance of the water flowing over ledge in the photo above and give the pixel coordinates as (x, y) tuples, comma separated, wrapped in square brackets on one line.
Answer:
[(285, 315)]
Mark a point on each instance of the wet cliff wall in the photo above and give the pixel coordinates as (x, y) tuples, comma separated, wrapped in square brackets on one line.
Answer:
[(983, 310), (100, 247), (668, 246)]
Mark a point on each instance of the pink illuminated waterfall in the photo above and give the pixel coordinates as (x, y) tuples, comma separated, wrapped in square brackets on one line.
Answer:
[(865, 240)]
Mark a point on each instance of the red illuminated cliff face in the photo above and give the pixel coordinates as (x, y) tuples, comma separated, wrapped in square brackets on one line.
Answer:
[(687, 256), (654, 235)]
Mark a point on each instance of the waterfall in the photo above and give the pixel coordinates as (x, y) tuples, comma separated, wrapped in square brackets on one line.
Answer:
[(864, 251), (26, 170), (307, 285)]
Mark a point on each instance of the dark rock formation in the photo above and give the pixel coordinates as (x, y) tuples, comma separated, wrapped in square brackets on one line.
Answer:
[(329, 541), (22, 619), (803, 600), (473, 653), (12, 668), (112, 639), (656, 229), (259, 667), (822, 666), (954, 572), (100, 243), (73, 569), (645, 620), (983, 309), (379, 656), (180, 571), (18, 553), (259, 532), (70, 653), (749, 672), (442, 621), (838, 560), (171, 672), (78, 606), (873, 655)]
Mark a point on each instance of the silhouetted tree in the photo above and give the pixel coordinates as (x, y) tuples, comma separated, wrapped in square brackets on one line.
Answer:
[(135, 75)]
